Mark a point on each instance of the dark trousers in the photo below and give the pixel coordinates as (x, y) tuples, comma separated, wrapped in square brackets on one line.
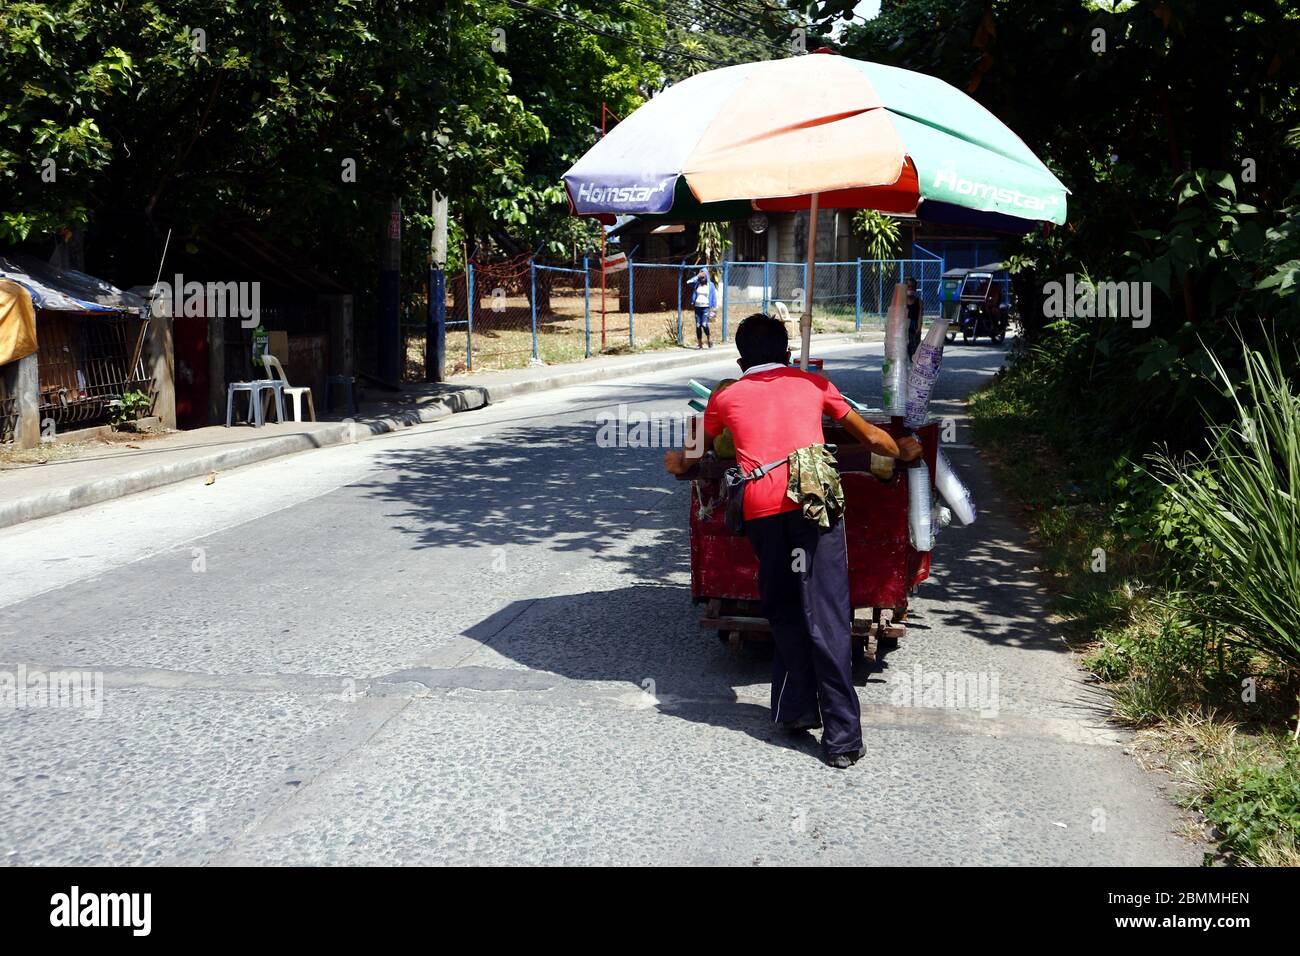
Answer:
[(803, 582)]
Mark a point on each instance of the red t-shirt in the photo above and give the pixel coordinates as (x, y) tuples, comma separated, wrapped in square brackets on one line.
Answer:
[(771, 414)]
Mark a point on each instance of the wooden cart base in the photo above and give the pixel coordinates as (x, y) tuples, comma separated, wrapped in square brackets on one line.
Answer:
[(739, 621)]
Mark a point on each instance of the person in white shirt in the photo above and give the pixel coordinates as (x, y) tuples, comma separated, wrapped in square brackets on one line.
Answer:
[(704, 299)]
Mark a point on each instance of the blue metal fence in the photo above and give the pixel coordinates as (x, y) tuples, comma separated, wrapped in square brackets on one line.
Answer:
[(859, 291), (560, 313)]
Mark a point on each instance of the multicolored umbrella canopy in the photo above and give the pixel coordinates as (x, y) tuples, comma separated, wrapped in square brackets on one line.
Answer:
[(767, 135)]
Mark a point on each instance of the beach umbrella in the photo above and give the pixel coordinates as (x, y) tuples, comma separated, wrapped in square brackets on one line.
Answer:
[(815, 132)]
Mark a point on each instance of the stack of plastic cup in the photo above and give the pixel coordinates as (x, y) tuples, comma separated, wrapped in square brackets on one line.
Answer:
[(924, 370), (894, 370), (954, 491), (920, 507)]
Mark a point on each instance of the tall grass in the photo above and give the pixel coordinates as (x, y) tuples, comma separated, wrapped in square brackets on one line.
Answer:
[(1201, 586), (1243, 496)]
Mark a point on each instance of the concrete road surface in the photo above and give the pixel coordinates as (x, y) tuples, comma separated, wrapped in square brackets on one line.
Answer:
[(473, 642)]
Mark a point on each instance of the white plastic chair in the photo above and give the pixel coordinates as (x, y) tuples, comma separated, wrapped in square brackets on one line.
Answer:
[(274, 367), (260, 393)]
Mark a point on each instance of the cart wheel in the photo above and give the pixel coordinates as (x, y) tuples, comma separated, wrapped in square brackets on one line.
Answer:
[(950, 336), (889, 630), (1000, 337)]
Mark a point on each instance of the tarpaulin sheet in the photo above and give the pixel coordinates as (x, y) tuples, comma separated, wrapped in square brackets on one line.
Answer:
[(66, 290), (17, 323)]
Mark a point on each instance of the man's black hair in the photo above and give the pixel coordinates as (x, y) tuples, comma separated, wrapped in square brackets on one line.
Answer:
[(761, 339)]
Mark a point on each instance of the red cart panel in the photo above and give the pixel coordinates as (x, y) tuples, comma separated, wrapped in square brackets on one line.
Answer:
[(883, 566)]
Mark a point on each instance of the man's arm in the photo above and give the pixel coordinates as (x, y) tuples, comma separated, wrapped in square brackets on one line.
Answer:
[(680, 462), (879, 440)]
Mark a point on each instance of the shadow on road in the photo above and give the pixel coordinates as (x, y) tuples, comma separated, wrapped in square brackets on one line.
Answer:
[(603, 637), (550, 488), (546, 486)]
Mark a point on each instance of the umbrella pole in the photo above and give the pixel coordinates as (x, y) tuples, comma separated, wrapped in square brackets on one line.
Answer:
[(805, 320)]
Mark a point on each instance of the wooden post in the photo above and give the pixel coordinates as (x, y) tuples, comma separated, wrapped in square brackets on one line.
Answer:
[(805, 320), (160, 362)]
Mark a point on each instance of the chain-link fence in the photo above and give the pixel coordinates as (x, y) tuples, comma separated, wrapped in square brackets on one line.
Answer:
[(847, 296), (505, 315)]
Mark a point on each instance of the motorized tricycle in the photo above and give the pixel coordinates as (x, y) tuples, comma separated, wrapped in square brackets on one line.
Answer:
[(980, 305)]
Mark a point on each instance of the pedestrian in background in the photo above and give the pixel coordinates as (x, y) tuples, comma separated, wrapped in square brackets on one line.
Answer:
[(704, 299)]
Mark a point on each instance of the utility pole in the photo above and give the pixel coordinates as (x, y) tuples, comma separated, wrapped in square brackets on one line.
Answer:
[(435, 338), (388, 330)]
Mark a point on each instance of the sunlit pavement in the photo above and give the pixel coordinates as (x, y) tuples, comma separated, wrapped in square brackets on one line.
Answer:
[(473, 642)]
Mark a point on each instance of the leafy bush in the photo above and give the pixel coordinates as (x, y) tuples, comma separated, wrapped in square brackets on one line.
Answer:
[(130, 407), (1253, 806), (1166, 655), (1244, 498)]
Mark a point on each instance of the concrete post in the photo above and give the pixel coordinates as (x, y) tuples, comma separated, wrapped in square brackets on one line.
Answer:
[(22, 381), (160, 362)]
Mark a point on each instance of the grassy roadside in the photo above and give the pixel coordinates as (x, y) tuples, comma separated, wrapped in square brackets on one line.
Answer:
[(561, 340), (1206, 710)]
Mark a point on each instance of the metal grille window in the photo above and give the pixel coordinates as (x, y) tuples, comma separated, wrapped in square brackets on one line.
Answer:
[(87, 363)]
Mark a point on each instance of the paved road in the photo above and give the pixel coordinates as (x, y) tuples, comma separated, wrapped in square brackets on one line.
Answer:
[(473, 642)]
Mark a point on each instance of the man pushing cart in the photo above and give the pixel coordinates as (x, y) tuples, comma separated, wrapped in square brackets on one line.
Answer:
[(807, 133)]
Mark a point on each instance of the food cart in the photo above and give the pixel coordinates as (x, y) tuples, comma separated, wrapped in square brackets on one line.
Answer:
[(806, 134), (884, 567)]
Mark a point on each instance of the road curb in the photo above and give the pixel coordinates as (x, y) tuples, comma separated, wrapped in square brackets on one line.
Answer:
[(47, 504), (461, 399), (581, 376)]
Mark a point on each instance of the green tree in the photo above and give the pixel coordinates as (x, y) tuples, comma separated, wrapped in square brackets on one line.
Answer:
[(1130, 104), (879, 231), (302, 120)]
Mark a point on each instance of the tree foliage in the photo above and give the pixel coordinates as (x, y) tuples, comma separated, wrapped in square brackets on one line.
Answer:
[(196, 114), (1135, 106), (878, 231)]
